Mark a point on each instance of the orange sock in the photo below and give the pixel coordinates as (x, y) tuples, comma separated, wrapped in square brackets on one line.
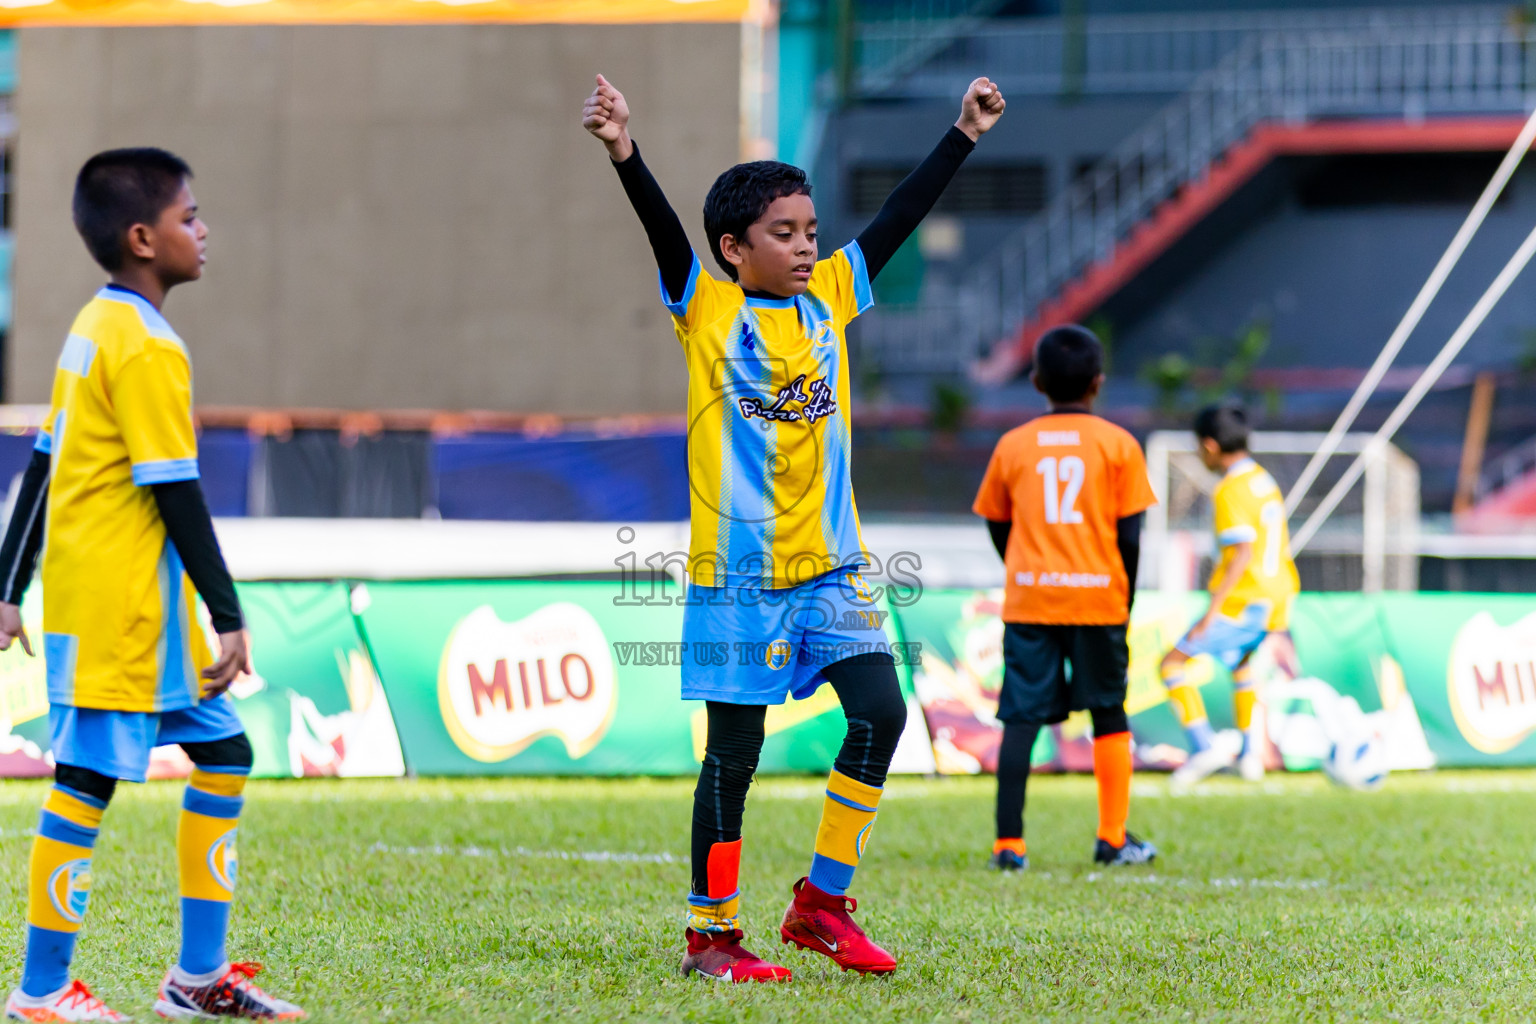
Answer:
[(1016, 845), (1112, 771)]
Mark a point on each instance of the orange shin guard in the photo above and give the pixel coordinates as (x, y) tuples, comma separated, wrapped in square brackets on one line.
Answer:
[(1112, 771)]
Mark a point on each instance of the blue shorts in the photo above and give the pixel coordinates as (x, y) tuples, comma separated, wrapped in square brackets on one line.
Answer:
[(749, 645), (1231, 641), (117, 743)]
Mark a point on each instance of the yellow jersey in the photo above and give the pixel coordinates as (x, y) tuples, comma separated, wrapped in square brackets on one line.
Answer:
[(1250, 509), (771, 500), (119, 613)]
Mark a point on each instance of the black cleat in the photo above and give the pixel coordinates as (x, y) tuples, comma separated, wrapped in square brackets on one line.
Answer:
[(1007, 860), (1135, 851)]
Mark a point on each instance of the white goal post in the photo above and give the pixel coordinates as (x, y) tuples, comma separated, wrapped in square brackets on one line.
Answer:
[(1370, 542)]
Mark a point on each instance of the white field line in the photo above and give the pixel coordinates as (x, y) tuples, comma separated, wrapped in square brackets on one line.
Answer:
[(523, 853), (1132, 877)]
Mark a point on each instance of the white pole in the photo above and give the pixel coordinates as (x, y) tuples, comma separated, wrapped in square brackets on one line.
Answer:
[(1420, 388), (1405, 327)]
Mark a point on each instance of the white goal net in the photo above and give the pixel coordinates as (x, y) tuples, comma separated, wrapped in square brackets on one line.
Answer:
[(1368, 544)]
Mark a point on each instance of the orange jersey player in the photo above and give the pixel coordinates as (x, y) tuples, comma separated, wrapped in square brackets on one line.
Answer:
[(1064, 496)]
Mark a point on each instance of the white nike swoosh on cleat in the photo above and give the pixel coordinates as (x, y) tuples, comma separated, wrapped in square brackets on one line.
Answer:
[(726, 976), (830, 945)]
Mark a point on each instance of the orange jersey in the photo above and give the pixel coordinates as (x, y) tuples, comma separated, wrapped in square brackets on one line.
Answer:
[(1065, 481)]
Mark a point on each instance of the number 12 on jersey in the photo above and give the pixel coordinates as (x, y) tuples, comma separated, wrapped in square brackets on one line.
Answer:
[(1061, 504)]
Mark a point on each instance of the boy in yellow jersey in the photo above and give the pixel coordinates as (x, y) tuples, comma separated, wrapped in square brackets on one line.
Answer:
[(776, 605), (130, 548), (1252, 589)]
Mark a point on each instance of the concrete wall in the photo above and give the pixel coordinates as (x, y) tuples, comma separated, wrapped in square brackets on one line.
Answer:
[(400, 217)]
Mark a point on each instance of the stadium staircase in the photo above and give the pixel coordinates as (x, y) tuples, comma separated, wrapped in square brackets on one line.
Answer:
[(1454, 85), (1506, 494)]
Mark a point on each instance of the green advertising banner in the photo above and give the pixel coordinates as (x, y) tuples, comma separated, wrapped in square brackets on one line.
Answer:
[(535, 678), (528, 678), (313, 706)]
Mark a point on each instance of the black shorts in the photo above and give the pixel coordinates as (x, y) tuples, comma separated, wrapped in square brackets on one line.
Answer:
[(1038, 686)]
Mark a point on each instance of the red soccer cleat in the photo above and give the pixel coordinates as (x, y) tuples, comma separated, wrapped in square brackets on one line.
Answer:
[(722, 958), (819, 921)]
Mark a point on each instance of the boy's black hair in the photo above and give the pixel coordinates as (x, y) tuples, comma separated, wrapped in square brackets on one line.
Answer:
[(741, 195), (120, 188), (1068, 359), (1227, 425)]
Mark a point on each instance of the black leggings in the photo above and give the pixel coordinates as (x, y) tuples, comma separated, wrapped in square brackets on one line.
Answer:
[(876, 711), (1013, 765), (234, 752)]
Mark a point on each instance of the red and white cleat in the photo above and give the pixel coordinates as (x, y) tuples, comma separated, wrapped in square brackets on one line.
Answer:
[(231, 993), (73, 1002), (722, 958), (819, 921)]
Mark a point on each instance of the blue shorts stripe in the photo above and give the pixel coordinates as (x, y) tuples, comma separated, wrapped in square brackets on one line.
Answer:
[(51, 826), (212, 805)]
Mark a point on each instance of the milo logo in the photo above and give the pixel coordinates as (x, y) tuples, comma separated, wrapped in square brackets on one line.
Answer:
[(1492, 682), (502, 685)]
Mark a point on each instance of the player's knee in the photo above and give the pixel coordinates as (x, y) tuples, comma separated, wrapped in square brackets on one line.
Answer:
[(231, 752), (1109, 721), (1172, 662), (886, 722), (83, 780)]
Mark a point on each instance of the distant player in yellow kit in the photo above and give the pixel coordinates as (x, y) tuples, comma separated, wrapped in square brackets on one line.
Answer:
[(1252, 589)]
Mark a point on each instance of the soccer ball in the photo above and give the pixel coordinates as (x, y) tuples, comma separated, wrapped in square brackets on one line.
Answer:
[(1358, 763)]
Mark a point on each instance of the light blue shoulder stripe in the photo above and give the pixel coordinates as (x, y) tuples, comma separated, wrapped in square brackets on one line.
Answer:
[(863, 293), (78, 355), (154, 323), (680, 307), (164, 471)]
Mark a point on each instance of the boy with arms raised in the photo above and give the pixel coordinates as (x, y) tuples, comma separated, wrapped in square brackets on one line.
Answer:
[(130, 548), (1252, 589), (1064, 497), (775, 547)]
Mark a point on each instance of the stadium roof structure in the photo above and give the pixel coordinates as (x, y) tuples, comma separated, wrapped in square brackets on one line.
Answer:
[(24, 13)]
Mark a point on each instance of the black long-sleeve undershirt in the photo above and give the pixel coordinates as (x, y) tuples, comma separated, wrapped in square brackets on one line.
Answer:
[(188, 524), (1127, 539), (24, 535), (903, 210)]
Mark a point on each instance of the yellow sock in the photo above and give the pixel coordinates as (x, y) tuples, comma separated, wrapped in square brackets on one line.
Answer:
[(205, 845), (1187, 700), (847, 817), (59, 886)]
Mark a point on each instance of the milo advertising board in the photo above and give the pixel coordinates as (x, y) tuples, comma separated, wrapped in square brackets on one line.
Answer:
[(515, 678)]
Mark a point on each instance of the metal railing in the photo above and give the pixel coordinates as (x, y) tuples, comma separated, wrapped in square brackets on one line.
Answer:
[(1107, 55), (1409, 73)]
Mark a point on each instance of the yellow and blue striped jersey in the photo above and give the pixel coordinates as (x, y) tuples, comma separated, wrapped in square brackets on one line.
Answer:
[(1250, 509), (120, 629), (768, 428)]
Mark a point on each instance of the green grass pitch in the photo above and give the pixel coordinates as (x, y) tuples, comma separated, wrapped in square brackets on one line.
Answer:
[(559, 900)]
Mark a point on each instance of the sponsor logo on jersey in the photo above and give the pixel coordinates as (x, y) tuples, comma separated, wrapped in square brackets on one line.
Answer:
[(502, 685)]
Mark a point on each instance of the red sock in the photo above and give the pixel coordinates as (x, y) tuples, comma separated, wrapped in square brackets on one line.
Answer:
[(1112, 771)]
